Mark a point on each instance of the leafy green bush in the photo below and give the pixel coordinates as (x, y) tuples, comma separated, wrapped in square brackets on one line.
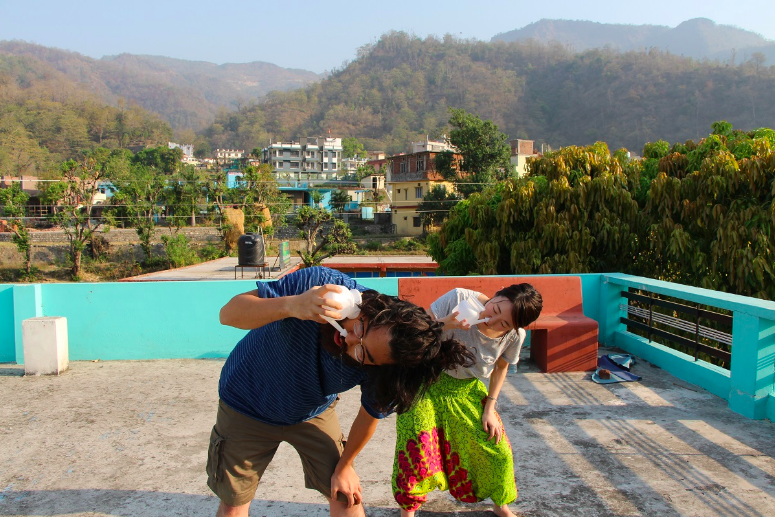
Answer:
[(179, 253), (210, 252), (406, 245), (373, 246)]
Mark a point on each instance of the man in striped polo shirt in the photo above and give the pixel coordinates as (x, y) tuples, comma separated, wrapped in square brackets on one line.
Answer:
[(281, 381)]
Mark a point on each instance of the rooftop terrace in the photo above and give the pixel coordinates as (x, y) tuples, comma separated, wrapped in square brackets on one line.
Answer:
[(130, 438), (125, 430)]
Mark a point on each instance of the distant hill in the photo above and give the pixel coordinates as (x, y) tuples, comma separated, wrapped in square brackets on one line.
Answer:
[(399, 89), (46, 117), (187, 94), (698, 38)]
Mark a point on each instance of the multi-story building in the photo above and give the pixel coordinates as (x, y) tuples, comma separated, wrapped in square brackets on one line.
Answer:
[(521, 150), (351, 165), (229, 154), (320, 156), (378, 161), (409, 178), (188, 149)]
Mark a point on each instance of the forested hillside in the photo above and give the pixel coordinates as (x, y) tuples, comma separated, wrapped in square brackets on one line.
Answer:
[(46, 118), (399, 89), (187, 94)]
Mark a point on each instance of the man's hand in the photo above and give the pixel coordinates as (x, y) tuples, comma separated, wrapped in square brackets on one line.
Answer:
[(492, 425), (347, 482), (310, 304)]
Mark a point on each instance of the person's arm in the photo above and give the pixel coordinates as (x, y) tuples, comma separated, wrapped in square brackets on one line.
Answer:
[(345, 480), (441, 311), (489, 418), (249, 311)]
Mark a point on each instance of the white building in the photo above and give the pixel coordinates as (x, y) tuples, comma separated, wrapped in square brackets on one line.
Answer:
[(350, 165), (188, 149), (229, 154), (313, 155), (434, 146)]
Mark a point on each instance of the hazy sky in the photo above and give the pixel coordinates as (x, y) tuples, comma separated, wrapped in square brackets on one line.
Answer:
[(316, 35)]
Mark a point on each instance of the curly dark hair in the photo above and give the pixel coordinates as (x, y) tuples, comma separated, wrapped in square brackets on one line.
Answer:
[(527, 301), (416, 346)]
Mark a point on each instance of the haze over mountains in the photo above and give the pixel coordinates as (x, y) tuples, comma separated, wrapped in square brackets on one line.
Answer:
[(698, 38)]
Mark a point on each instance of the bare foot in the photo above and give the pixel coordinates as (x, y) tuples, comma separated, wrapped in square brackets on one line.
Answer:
[(502, 511), (405, 513)]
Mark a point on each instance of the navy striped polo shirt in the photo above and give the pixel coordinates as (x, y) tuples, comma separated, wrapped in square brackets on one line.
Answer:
[(279, 374)]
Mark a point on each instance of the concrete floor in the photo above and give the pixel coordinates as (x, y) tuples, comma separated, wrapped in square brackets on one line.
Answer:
[(129, 438)]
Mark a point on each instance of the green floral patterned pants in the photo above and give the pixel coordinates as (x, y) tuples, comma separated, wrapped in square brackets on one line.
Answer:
[(441, 444)]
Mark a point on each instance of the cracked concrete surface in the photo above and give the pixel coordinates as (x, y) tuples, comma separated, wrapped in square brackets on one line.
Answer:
[(129, 438)]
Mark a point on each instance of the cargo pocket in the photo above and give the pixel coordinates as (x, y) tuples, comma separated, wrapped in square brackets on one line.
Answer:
[(215, 456)]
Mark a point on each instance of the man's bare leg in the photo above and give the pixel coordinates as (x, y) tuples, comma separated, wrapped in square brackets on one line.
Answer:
[(407, 513), (339, 509), (224, 510)]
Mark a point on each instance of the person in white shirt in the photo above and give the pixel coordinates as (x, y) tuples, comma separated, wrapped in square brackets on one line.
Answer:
[(452, 438)]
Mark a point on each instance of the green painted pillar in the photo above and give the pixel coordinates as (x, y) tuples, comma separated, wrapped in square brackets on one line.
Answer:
[(27, 303), (753, 365)]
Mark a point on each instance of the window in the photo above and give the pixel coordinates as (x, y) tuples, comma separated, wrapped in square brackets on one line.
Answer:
[(418, 192), (416, 222), (421, 164), (294, 165), (295, 154), (399, 191), (402, 167)]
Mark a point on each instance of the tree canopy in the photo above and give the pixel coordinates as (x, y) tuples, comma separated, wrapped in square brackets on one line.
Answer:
[(704, 215)]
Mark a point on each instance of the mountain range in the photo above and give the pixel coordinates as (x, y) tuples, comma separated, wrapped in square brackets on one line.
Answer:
[(188, 94), (399, 89), (698, 38)]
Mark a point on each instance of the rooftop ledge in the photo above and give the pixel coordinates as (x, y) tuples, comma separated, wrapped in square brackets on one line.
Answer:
[(125, 430)]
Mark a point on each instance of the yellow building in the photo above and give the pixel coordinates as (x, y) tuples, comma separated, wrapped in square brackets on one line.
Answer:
[(521, 150), (409, 178)]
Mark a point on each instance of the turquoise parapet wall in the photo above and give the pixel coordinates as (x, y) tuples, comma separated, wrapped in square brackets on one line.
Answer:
[(137, 320), (749, 384), (149, 320), (7, 335)]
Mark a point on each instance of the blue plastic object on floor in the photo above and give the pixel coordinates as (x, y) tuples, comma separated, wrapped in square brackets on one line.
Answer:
[(619, 366)]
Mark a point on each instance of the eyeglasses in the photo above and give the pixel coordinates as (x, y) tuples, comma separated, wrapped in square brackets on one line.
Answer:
[(359, 329)]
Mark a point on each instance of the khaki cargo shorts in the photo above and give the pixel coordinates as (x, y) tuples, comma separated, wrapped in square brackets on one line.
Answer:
[(241, 449)]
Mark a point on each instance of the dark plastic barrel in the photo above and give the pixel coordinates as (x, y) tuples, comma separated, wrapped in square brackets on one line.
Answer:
[(250, 250)]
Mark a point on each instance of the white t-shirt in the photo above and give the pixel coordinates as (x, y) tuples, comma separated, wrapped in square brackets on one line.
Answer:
[(486, 349)]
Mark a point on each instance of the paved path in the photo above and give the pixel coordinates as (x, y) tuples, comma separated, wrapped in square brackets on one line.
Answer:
[(223, 269)]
